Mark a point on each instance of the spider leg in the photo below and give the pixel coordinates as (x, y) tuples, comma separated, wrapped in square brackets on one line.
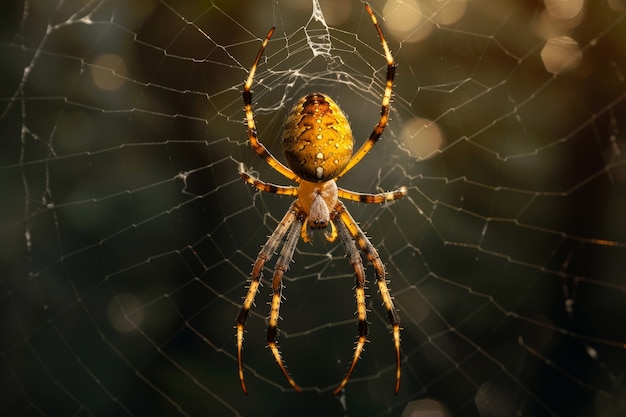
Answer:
[(386, 102), (265, 186), (264, 255), (372, 198), (282, 264), (258, 147), (372, 255), (359, 288)]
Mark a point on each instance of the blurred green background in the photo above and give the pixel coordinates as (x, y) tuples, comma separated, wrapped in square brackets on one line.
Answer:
[(127, 236)]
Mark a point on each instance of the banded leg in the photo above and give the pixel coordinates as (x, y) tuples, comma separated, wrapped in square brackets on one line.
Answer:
[(258, 147), (265, 186), (372, 255), (372, 198), (264, 255), (282, 264), (359, 288), (386, 102)]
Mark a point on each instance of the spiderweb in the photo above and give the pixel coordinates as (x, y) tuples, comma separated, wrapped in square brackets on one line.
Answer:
[(127, 235)]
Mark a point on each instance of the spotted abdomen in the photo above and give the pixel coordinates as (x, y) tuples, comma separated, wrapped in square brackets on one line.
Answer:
[(317, 139)]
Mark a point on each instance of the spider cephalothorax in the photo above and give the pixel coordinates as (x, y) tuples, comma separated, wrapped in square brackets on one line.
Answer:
[(318, 145)]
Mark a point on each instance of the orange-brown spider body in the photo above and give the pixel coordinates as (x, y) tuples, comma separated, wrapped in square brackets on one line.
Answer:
[(317, 200), (317, 139), (318, 145)]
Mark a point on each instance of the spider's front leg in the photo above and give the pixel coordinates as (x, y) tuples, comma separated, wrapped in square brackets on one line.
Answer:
[(346, 223), (282, 264), (359, 287), (286, 224)]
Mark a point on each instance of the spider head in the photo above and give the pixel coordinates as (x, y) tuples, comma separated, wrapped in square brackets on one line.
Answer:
[(319, 214), (318, 223), (317, 200)]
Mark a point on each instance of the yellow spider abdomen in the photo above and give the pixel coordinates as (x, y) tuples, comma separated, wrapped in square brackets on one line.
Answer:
[(317, 139)]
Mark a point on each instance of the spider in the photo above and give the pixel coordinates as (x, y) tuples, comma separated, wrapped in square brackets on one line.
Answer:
[(317, 144)]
